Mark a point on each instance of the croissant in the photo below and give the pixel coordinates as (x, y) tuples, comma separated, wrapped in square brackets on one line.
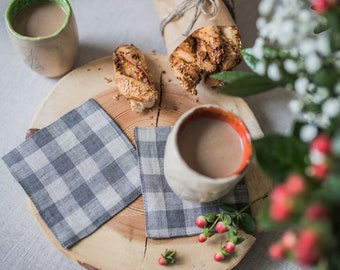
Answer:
[(132, 77)]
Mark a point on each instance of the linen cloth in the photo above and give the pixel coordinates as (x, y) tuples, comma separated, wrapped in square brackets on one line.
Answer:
[(79, 171), (166, 214)]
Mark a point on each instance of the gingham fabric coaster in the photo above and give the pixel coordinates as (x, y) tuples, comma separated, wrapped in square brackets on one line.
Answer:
[(79, 171), (166, 214)]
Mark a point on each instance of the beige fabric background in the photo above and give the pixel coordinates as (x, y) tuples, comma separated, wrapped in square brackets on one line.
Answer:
[(102, 25)]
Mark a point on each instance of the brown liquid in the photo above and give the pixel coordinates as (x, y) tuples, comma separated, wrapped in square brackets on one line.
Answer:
[(211, 147), (39, 19)]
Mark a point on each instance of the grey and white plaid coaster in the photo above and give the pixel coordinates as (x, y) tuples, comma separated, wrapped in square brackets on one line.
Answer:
[(79, 172), (166, 214)]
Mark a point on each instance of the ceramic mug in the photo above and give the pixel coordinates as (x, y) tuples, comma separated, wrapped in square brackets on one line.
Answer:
[(207, 153), (44, 33)]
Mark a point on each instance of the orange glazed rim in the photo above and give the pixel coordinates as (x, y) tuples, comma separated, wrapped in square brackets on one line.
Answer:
[(216, 112)]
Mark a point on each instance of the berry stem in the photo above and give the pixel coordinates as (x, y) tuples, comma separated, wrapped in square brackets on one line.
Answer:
[(264, 196)]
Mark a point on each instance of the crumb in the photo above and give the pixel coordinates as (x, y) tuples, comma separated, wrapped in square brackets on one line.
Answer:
[(88, 69), (170, 80), (151, 117), (108, 80), (116, 97), (99, 68), (163, 71), (197, 100)]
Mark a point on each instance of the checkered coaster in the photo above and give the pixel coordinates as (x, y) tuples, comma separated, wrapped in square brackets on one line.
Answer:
[(166, 214), (79, 171)]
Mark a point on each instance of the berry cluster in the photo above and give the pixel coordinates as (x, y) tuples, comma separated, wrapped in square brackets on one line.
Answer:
[(229, 221), (319, 151), (167, 257), (219, 223), (291, 202)]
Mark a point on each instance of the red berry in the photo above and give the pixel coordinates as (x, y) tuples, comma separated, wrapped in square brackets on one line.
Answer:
[(279, 193), (321, 143), (279, 211), (281, 204), (229, 247), (288, 240), (218, 256), (307, 250), (321, 6), (201, 222), (315, 211), (295, 184), (220, 227), (319, 171), (162, 261), (202, 238), (276, 252)]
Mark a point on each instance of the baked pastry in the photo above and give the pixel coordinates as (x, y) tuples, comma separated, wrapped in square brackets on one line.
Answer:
[(184, 65), (207, 50), (132, 77)]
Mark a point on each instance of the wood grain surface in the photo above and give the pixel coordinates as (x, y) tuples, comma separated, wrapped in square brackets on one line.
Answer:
[(120, 243)]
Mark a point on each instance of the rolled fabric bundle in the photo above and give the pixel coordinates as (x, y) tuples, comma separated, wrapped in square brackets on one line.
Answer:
[(201, 38)]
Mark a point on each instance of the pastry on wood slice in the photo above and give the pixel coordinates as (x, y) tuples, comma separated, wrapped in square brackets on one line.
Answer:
[(132, 77)]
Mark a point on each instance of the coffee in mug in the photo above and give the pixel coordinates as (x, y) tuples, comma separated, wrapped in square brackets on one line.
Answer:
[(44, 33), (207, 153)]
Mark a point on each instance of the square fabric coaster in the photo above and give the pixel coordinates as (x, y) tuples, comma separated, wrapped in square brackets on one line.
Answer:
[(166, 214), (79, 172)]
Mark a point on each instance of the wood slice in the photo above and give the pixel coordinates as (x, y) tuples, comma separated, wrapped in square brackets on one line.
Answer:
[(120, 243)]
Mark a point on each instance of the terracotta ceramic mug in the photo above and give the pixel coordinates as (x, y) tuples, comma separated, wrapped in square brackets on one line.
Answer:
[(207, 153), (44, 33)]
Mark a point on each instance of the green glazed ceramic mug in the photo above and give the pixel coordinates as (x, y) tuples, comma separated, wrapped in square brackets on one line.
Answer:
[(44, 33)]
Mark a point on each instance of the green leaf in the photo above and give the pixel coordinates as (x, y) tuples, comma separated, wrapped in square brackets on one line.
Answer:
[(247, 223), (232, 237), (249, 58), (210, 217), (239, 240), (333, 19), (230, 76), (227, 208), (227, 219), (279, 155), (248, 85)]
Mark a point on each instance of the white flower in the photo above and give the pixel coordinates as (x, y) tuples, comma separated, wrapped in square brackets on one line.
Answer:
[(317, 157), (290, 66), (273, 72), (286, 34), (336, 57), (320, 95), (308, 132), (260, 68), (265, 7), (301, 85), (322, 44), (260, 22), (312, 63), (331, 107), (337, 88), (295, 106), (307, 46), (257, 49)]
